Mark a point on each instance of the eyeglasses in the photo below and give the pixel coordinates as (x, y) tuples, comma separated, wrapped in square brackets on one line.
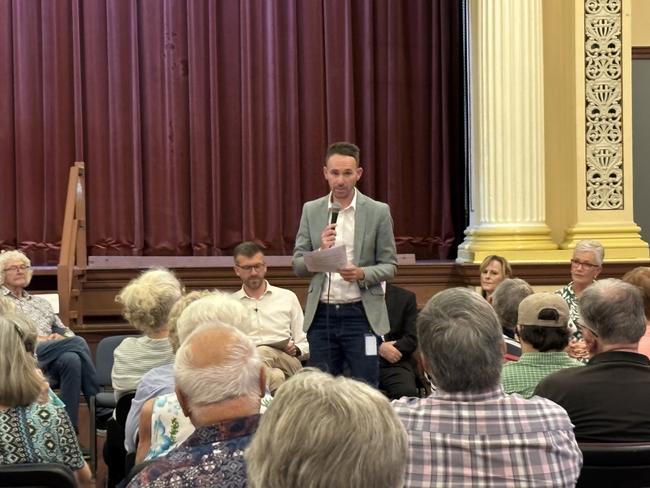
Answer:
[(578, 264), (250, 267), (15, 269)]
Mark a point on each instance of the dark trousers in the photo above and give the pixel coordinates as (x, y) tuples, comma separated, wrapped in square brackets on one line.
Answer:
[(398, 379), (68, 363), (337, 336)]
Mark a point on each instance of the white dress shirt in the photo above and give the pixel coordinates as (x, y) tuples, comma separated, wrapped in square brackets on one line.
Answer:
[(275, 317), (341, 291)]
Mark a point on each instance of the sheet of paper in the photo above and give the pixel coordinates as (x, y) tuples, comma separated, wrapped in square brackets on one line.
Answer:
[(327, 260)]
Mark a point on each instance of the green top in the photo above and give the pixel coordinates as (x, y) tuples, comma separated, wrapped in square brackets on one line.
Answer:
[(522, 376)]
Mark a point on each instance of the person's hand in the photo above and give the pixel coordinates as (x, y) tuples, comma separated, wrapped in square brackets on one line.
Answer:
[(389, 352), (290, 348), (328, 236), (51, 337), (351, 273), (578, 349)]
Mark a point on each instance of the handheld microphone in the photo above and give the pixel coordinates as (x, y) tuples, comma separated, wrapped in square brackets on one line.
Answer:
[(334, 211)]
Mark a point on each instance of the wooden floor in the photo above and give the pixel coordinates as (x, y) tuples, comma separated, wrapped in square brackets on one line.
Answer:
[(84, 440)]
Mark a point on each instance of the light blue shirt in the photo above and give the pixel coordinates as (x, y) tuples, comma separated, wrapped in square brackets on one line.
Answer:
[(158, 381)]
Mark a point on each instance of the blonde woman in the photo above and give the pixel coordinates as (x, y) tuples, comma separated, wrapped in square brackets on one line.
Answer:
[(147, 302), (33, 431), (63, 356), (493, 270)]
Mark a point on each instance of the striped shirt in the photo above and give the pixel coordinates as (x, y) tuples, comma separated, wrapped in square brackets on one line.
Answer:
[(488, 439), (522, 377), (134, 357)]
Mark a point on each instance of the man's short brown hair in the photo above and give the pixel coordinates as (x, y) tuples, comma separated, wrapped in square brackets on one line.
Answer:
[(344, 149)]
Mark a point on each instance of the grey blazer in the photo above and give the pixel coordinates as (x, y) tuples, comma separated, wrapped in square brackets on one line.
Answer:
[(374, 251)]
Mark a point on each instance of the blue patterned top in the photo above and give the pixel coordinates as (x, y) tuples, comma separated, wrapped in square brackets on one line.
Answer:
[(211, 456), (38, 433)]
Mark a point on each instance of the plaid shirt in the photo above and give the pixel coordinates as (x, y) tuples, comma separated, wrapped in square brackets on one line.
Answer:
[(488, 439), (522, 377)]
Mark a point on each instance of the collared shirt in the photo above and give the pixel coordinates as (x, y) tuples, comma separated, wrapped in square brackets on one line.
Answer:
[(523, 376), (211, 456), (275, 317), (156, 382), (39, 311), (341, 291), (488, 439)]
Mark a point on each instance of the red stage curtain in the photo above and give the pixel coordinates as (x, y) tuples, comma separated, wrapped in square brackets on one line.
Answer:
[(204, 123)]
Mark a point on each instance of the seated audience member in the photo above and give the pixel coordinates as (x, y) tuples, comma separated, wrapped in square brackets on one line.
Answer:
[(219, 383), (505, 301), (32, 431), (276, 325), (63, 357), (544, 334), (147, 301), (493, 270), (640, 277), (350, 437), (469, 432), (163, 426), (586, 265), (608, 400), (397, 371), (157, 381)]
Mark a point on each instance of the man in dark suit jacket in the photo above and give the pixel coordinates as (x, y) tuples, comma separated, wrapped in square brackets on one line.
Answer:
[(397, 371)]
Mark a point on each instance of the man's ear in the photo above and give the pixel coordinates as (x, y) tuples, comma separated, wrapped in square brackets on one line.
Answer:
[(504, 348), (591, 341), (182, 400)]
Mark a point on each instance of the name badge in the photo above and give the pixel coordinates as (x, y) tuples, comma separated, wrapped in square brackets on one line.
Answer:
[(371, 345)]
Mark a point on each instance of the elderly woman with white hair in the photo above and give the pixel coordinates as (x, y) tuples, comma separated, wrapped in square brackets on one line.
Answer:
[(64, 357), (147, 301), (34, 430), (586, 265)]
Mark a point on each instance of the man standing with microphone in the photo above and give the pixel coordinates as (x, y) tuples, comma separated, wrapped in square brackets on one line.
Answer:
[(345, 314)]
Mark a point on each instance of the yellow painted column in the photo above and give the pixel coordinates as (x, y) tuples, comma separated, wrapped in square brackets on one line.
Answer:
[(587, 56), (508, 211)]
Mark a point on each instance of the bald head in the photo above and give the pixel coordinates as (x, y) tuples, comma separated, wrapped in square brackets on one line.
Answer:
[(217, 363)]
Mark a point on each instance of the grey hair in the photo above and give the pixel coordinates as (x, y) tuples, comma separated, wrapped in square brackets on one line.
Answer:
[(217, 308), (506, 299), (148, 299), (21, 381), (461, 340), (589, 245), (613, 309), (179, 307), (322, 431), (233, 372), (15, 255)]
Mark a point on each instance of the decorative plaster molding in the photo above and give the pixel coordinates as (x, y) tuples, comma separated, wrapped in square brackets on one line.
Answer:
[(603, 104)]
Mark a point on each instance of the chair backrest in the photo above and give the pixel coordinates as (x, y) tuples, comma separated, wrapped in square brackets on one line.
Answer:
[(36, 476), (104, 358), (615, 464)]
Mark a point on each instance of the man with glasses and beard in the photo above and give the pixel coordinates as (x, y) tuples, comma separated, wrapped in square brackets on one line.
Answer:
[(276, 317)]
